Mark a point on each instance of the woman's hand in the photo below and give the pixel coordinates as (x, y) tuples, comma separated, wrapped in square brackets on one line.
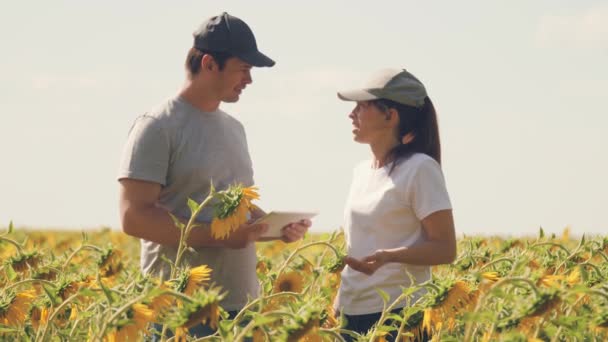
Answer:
[(370, 263)]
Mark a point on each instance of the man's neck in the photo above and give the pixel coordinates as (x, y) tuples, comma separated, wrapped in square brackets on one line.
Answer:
[(199, 97)]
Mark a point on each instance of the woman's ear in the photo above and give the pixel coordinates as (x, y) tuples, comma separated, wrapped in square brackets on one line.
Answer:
[(408, 138), (393, 115)]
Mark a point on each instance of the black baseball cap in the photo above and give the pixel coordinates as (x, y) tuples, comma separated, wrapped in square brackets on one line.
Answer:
[(229, 34)]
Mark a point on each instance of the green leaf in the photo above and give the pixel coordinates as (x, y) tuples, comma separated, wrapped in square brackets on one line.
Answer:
[(384, 295), (5, 329), (541, 233), (10, 272), (106, 291), (177, 222), (85, 236), (51, 294), (87, 292), (395, 317), (10, 227), (263, 320), (193, 206)]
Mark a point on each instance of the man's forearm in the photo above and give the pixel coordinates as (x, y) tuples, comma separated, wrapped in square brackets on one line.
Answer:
[(154, 224)]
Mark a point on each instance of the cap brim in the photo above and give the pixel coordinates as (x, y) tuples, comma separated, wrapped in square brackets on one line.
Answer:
[(256, 59), (356, 95)]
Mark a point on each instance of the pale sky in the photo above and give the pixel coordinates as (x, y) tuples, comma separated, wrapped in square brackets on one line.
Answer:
[(520, 88)]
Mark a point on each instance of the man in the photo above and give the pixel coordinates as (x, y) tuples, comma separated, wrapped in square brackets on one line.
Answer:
[(174, 152)]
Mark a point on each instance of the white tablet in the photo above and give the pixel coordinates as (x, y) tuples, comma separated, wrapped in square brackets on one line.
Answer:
[(276, 220)]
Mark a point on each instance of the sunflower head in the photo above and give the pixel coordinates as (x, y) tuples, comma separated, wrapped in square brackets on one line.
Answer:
[(306, 323), (545, 302), (141, 315), (204, 308), (15, 307), (22, 262), (337, 264), (110, 262), (289, 282), (193, 279), (230, 209)]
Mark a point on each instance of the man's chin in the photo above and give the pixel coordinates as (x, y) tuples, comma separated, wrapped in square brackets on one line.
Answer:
[(231, 99)]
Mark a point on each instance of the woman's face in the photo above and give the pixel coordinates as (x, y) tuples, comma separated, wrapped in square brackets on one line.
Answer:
[(369, 123)]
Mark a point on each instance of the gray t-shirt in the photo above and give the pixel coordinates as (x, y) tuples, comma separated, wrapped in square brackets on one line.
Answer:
[(184, 149)]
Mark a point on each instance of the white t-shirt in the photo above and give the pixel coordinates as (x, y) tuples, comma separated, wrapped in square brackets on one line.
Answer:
[(385, 211)]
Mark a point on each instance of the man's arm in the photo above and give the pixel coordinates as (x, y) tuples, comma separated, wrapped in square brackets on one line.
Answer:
[(142, 217)]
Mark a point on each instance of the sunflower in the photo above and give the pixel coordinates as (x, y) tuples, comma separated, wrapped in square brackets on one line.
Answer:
[(231, 209), (139, 316), (161, 303), (193, 279), (550, 280), (23, 262), (207, 315), (39, 315), (446, 304), (258, 335), (110, 263), (574, 277), (306, 331), (14, 309), (204, 308), (67, 288), (414, 326), (491, 276), (289, 282), (127, 332)]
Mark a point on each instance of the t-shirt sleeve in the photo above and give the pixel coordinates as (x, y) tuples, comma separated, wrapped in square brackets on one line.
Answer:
[(427, 190), (146, 152)]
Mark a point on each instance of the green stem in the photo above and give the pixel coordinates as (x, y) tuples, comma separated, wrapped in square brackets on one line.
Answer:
[(185, 233), (602, 255), (580, 245), (46, 282), (252, 324), (14, 243), (561, 327), (254, 302), (482, 299), (299, 249), (335, 334), (120, 310), (495, 262), (59, 308), (82, 247), (551, 244)]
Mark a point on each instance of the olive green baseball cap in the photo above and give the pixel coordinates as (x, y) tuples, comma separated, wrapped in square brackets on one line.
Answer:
[(393, 84)]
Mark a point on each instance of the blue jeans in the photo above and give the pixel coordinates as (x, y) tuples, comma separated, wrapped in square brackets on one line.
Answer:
[(197, 331), (362, 323)]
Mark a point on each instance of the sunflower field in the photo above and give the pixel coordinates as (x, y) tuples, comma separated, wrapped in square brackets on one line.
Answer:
[(58, 286), (72, 286)]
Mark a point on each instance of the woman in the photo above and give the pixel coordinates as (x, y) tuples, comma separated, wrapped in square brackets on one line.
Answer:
[(398, 215)]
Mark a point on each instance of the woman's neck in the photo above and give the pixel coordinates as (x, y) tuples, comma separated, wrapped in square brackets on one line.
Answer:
[(381, 152)]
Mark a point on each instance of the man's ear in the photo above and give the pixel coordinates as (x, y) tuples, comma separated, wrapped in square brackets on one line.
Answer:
[(207, 62)]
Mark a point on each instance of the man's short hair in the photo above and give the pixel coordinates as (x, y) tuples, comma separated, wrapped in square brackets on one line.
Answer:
[(195, 57)]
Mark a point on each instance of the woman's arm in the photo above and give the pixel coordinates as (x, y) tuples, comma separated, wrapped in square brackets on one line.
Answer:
[(439, 247)]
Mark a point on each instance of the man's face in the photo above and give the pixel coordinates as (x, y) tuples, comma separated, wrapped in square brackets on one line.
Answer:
[(231, 81)]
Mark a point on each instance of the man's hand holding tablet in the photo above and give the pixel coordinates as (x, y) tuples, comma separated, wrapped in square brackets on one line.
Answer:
[(286, 225)]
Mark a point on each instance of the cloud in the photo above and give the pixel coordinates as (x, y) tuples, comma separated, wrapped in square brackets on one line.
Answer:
[(584, 29)]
